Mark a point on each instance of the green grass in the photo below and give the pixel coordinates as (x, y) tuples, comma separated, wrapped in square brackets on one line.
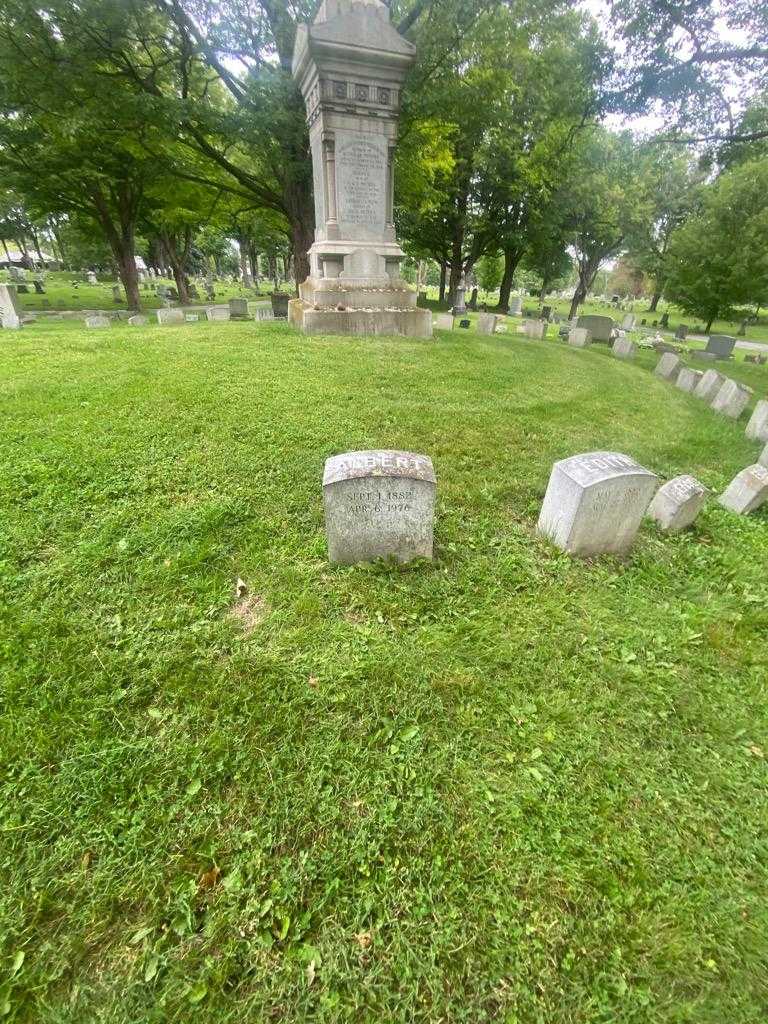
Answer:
[(504, 786), (61, 294)]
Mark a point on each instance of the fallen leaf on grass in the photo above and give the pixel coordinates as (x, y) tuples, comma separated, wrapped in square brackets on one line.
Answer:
[(310, 972), (249, 609), (209, 878), (313, 681), (363, 939)]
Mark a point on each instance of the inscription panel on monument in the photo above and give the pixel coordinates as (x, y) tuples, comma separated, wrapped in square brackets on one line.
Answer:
[(361, 184)]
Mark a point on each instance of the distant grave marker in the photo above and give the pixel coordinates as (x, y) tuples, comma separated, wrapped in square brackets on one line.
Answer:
[(757, 428), (708, 385), (170, 316), (688, 379), (731, 400), (677, 503), (98, 321), (668, 366), (579, 337), (747, 491), (623, 348)]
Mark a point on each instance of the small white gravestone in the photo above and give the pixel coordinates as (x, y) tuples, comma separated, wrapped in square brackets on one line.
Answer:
[(98, 321), (677, 503), (623, 348), (709, 385), (687, 379), (515, 306), (91, 277), (757, 428), (628, 323), (217, 312), (444, 321), (486, 323), (535, 329), (595, 503), (579, 337), (138, 320), (10, 311), (747, 491), (763, 460), (668, 366), (170, 316), (731, 399), (379, 504)]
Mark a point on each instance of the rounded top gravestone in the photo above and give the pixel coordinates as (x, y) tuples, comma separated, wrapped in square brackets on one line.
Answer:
[(595, 502), (379, 504)]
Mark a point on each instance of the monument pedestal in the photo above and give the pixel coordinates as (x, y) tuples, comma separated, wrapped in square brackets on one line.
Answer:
[(350, 64)]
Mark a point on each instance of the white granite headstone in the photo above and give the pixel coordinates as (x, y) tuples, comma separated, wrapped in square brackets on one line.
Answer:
[(623, 348), (731, 400), (709, 385), (10, 311), (677, 503), (379, 504), (747, 491), (535, 329), (486, 323), (217, 312), (515, 306), (579, 337), (238, 307), (170, 316), (757, 428), (595, 502), (138, 320), (687, 379), (98, 321), (444, 321), (668, 366)]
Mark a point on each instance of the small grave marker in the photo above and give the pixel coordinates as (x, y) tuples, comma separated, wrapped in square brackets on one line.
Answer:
[(444, 322), (170, 316), (98, 321), (688, 379), (138, 320), (535, 329), (379, 504), (10, 310), (579, 337), (486, 323), (757, 428), (709, 385), (595, 502), (731, 399), (747, 491), (623, 348), (677, 503), (668, 366)]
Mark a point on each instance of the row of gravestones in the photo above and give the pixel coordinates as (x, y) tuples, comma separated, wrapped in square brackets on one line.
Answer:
[(381, 504), (237, 309), (728, 398)]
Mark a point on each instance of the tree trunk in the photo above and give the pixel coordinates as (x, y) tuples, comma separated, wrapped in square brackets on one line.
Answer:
[(443, 273), (7, 254), (253, 259), (654, 301), (121, 237), (242, 242), (511, 259), (578, 297), (177, 260), (708, 328)]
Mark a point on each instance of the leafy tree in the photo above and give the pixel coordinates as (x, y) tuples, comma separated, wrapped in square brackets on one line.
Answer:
[(719, 259), (489, 270), (680, 55)]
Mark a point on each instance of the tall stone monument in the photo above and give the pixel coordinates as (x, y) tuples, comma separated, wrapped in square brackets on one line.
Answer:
[(350, 64)]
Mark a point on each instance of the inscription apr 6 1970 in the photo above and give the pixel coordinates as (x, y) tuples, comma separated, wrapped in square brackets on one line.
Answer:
[(379, 504)]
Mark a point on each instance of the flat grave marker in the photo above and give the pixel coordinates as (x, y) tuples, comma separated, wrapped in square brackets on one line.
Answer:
[(98, 321), (170, 316)]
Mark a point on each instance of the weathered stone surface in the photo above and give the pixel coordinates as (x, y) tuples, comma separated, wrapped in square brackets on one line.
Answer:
[(763, 460), (10, 310), (217, 312), (731, 400), (628, 323), (747, 491), (98, 321), (720, 346), (688, 379), (757, 428), (170, 316), (515, 306), (444, 321), (579, 337), (238, 308), (266, 312), (379, 504), (600, 327), (709, 384), (536, 329), (350, 64), (623, 348), (595, 503), (668, 366), (486, 323), (677, 503), (137, 321)]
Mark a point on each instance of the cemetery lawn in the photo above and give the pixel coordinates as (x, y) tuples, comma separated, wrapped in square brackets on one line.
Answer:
[(505, 786)]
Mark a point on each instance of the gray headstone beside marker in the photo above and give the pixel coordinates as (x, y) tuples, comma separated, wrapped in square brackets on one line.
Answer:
[(687, 379), (98, 321), (138, 320), (623, 348), (731, 400), (170, 316), (535, 329), (10, 310), (379, 504), (709, 385), (757, 428), (486, 323), (600, 327), (238, 308), (595, 502), (668, 366), (677, 503), (444, 321), (579, 337), (747, 491)]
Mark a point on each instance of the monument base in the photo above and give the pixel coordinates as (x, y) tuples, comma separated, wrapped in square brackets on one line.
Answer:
[(364, 306)]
